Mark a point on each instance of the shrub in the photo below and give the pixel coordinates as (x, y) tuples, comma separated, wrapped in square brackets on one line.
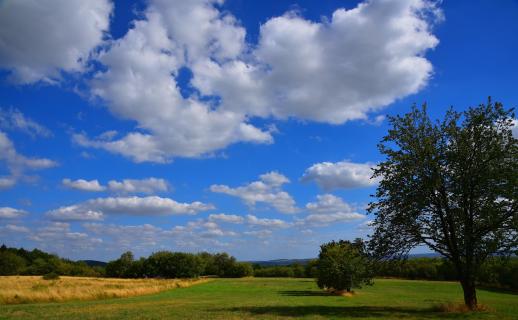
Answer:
[(51, 276), (343, 265)]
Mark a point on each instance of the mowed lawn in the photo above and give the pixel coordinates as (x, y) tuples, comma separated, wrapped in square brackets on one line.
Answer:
[(263, 298)]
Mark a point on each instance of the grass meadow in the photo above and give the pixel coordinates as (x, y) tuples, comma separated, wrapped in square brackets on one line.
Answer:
[(268, 298)]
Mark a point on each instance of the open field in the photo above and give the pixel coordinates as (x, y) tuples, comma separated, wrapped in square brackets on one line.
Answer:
[(29, 289), (253, 298)]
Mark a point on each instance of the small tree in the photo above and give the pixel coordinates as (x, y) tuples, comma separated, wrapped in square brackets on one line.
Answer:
[(343, 265), (119, 268), (450, 185)]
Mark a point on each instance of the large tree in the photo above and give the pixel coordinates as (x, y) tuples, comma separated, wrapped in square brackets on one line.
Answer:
[(451, 185)]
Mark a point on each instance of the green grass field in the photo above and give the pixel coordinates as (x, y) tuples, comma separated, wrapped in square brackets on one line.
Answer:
[(256, 298)]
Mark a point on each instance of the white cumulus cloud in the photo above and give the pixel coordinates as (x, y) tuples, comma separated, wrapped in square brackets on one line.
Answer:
[(83, 185), (340, 175), (267, 223), (11, 213), (95, 209), (329, 209), (266, 190), (148, 185), (339, 69), (14, 229), (40, 39), (228, 218), (125, 186)]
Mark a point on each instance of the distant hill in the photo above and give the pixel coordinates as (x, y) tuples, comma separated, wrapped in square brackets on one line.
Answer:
[(280, 262), (424, 255), (94, 263), (287, 262)]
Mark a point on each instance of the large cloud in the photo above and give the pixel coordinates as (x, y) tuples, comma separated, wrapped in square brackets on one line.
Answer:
[(40, 39), (341, 175), (266, 190), (95, 209), (332, 71)]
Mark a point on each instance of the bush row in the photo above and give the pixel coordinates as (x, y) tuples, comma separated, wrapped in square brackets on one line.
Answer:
[(166, 264), (291, 271)]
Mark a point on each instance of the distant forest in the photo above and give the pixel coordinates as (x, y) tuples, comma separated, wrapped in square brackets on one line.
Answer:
[(497, 272)]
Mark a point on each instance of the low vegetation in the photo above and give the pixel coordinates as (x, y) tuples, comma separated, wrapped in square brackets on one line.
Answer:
[(31, 289)]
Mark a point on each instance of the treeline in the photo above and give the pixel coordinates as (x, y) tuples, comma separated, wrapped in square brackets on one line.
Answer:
[(295, 270), (166, 264), (495, 272), (15, 261), (501, 272)]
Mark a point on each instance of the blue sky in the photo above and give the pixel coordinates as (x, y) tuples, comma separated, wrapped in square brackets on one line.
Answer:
[(238, 126)]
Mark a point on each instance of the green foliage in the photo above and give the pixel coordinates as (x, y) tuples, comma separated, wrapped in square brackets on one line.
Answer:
[(166, 264), (311, 269), (242, 269), (51, 276), (223, 265), (120, 268), (499, 272), (275, 272), (294, 270), (343, 265), (36, 262), (451, 185), (10, 263)]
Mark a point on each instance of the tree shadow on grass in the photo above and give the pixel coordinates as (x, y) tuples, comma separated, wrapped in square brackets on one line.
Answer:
[(345, 312), (304, 293)]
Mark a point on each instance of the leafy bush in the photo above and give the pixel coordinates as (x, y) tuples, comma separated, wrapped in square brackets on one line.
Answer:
[(343, 265), (51, 276)]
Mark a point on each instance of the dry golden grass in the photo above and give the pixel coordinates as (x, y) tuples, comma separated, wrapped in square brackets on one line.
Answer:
[(29, 289), (343, 293), (458, 308)]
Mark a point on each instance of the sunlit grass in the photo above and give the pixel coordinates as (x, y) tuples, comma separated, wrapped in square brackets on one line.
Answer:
[(267, 298), (29, 289)]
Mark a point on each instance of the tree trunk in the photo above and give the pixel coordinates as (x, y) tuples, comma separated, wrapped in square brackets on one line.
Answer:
[(470, 293)]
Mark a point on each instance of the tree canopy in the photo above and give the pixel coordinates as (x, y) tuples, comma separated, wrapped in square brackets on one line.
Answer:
[(343, 265), (451, 185)]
